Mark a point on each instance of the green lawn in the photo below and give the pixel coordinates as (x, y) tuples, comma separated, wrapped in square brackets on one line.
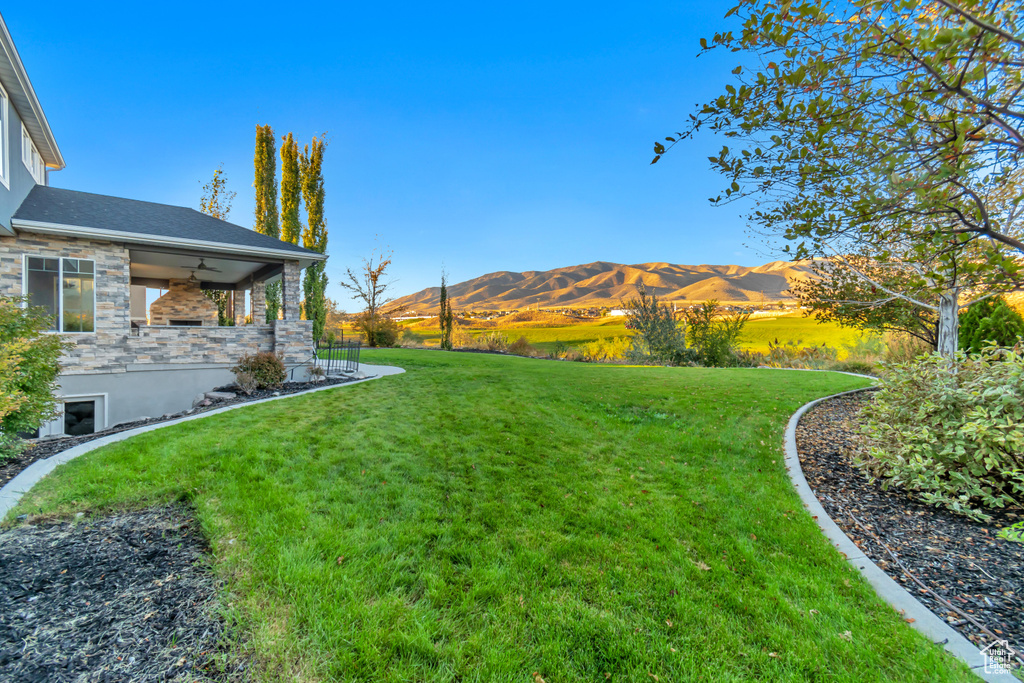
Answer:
[(480, 518)]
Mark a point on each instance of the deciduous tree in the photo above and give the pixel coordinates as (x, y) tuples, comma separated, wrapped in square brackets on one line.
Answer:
[(862, 125), (216, 202), (29, 368), (370, 284)]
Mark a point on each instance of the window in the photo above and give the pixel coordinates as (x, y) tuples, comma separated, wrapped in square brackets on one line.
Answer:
[(65, 288), (31, 158)]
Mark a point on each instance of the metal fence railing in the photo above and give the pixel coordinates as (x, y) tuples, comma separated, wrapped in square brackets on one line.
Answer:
[(338, 357)]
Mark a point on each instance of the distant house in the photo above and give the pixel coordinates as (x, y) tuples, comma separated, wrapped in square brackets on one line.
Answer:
[(89, 260)]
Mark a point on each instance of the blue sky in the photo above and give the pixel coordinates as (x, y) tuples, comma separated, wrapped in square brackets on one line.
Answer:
[(484, 136)]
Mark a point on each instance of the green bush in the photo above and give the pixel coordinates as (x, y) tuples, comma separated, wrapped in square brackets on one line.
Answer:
[(606, 349), (29, 367), (989, 322), (712, 335), (657, 337), (378, 330), (951, 439), (264, 368)]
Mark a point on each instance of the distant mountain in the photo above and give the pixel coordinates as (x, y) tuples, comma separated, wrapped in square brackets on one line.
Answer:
[(606, 284)]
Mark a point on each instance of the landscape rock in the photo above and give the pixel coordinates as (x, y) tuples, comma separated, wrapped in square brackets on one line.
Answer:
[(219, 395)]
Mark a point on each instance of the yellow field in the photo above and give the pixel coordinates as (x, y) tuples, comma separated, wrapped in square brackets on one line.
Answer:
[(756, 335)]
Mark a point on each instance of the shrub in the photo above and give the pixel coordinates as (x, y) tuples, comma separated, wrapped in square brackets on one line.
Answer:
[(412, 340), (658, 337), (744, 358), (462, 339), (246, 382), (606, 349), (1014, 532), (713, 336), (989, 322), (265, 368), (522, 347), (315, 373), (565, 351), (378, 330), (492, 341), (791, 355), (952, 439), (29, 367)]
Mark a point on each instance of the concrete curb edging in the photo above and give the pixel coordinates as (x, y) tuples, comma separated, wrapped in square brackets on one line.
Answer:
[(925, 621), (12, 492)]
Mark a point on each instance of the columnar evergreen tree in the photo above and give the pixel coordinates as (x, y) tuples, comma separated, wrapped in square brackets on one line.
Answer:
[(445, 317), (265, 182), (291, 226), (314, 284), (216, 202)]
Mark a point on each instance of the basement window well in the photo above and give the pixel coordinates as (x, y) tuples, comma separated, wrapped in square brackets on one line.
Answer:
[(79, 417)]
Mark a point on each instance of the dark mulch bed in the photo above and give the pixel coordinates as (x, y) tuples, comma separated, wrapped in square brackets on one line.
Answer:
[(44, 448), (120, 598), (962, 561)]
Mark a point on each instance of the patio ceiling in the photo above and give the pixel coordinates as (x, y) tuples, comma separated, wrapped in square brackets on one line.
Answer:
[(154, 268)]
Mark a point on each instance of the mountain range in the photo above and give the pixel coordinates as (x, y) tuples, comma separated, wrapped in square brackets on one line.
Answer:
[(606, 284)]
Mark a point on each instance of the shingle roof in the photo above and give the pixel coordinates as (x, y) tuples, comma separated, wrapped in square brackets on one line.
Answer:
[(83, 209)]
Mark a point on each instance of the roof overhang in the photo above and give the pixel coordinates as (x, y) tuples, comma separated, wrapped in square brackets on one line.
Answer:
[(23, 98), (305, 259)]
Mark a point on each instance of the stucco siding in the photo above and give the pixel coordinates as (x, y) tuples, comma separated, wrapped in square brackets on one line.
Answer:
[(19, 178)]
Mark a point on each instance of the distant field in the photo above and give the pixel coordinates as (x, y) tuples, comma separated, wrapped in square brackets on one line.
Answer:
[(756, 335)]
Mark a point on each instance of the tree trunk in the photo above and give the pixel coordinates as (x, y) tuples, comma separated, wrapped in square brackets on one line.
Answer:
[(949, 323)]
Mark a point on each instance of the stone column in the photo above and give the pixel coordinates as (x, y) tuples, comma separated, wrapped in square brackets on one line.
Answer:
[(291, 290), (238, 306), (258, 306)]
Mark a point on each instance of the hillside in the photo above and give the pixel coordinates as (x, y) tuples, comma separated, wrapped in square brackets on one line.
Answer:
[(606, 284)]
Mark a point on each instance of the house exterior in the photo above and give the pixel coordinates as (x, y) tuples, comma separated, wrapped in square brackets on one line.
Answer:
[(94, 261)]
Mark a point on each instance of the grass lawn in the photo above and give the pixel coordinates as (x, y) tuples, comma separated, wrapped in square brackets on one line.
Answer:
[(480, 518)]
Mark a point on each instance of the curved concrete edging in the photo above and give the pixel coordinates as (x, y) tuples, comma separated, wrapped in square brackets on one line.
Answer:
[(12, 492), (924, 620)]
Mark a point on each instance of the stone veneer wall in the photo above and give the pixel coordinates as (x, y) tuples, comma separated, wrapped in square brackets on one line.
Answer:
[(183, 301), (293, 341), (111, 348), (197, 344), (98, 351)]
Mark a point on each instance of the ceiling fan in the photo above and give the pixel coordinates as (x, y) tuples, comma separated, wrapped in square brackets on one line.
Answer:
[(202, 266)]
